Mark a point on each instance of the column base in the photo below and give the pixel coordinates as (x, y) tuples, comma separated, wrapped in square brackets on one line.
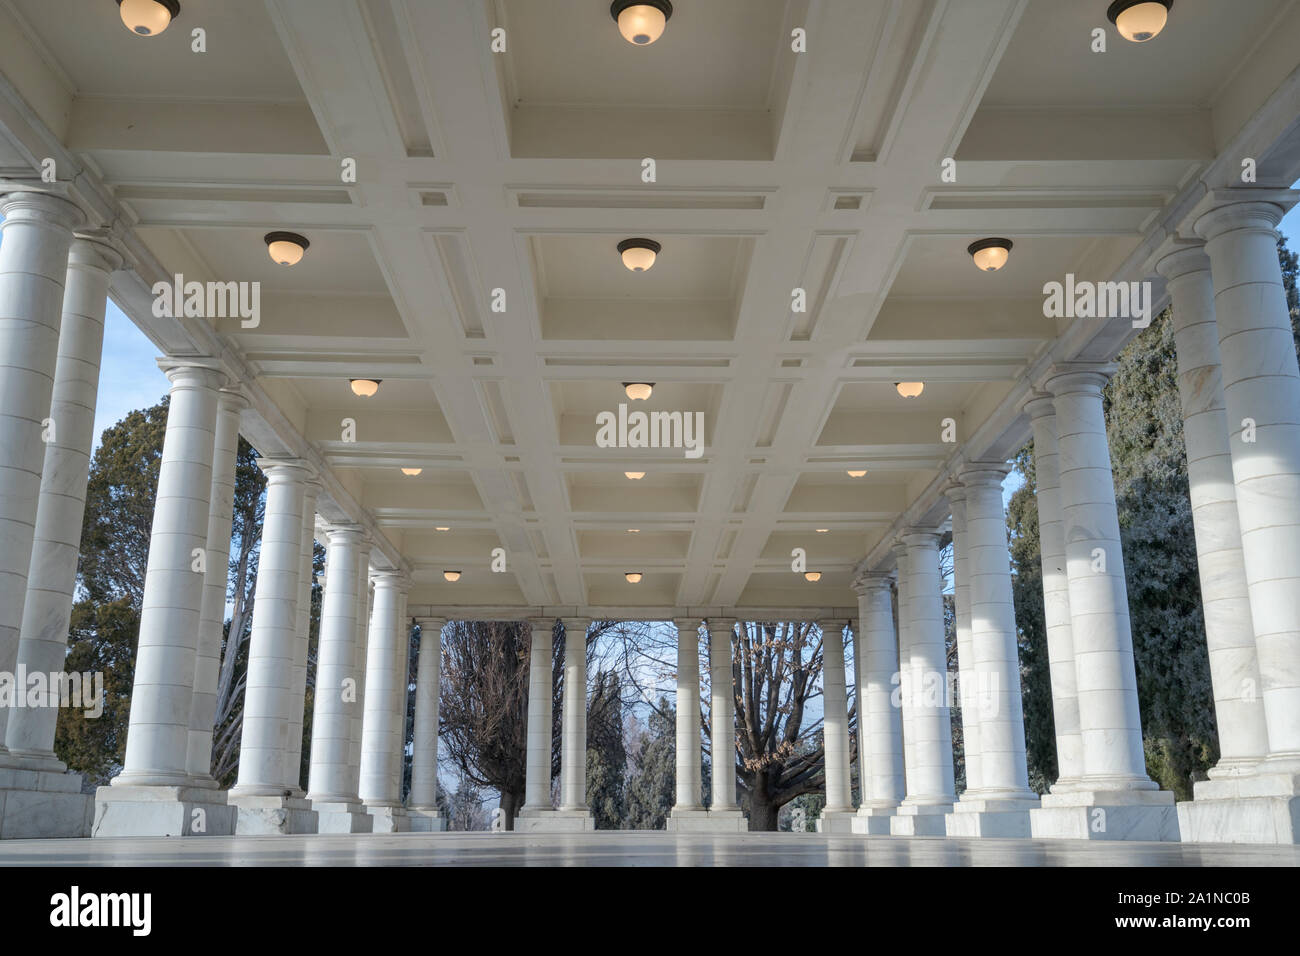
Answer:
[(554, 821), (427, 821), (1250, 808), (1147, 815), (873, 821), (389, 819), (260, 815), (43, 804), (161, 811), (836, 821), (342, 817), (920, 819), (977, 816), (701, 820)]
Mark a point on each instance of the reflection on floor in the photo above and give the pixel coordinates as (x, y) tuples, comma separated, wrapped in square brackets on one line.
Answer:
[(628, 848)]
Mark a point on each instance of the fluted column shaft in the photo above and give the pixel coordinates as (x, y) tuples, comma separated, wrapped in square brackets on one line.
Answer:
[(424, 769), (37, 234), (331, 726), (968, 674), (996, 695), (689, 756), (573, 742), (835, 735), (879, 720), (722, 714), (1056, 594), (357, 706), (1261, 390), (1110, 725), (929, 776), (537, 779), (1225, 595), (52, 575), (380, 760), (264, 744)]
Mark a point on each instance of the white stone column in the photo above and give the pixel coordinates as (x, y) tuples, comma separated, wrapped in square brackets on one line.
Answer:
[(880, 730), (537, 778), (302, 640), (356, 708), (1000, 807), (902, 679), (380, 759), (52, 577), (36, 235), (929, 775), (1115, 798), (1056, 594), (1225, 596), (262, 793), (153, 795), (331, 787), (573, 741), (968, 675), (1261, 389), (424, 769), (212, 613), (722, 720), (402, 682), (836, 816), (689, 756)]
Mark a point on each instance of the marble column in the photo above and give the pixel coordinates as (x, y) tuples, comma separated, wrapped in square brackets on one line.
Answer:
[(537, 777), (48, 802), (929, 775), (301, 641), (154, 795), (1001, 805), (357, 705), (688, 812), (880, 730), (1115, 798), (1225, 597), (1056, 594), (573, 740), (902, 679), (401, 698), (51, 580), (837, 815), (331, 788), (35, 237), (968, 675), (723, 811), (424, 768), (263, 795), (212, 613), (381, 760), (1261, 390)]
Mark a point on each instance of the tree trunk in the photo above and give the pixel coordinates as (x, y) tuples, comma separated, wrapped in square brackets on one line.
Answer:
[(762, 813), (510, 803)]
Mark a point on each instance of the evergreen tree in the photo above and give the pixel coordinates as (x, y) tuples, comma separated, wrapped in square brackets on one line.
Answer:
[(606, 754), (652, 781)]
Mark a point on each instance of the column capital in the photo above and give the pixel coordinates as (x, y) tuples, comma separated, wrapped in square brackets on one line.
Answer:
[(21, 201), (202, 371), (1183, 258), (869, 581), (546, 624), (286, 469), (390, 580), (689, 624), (232, 398), (984, 473), (435, 622), (94, 252), (921, 537), (833, 623), (1040, 405), (576, 623), (719, 625), (344, 534), (954, 490), (1072, 377), (1256, 208)]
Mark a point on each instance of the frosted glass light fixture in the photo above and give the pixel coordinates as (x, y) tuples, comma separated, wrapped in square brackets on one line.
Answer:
[(364, 387), (910, 389), (639, 254), (452, 576), (641, 21), (285, 248), (638, 391), (148, 18), (990, 255), (1139, 20)]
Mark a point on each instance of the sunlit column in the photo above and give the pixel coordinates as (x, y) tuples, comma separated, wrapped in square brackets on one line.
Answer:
[(573, 749), (722, 713), (688, 715), (424, 770), (537, 779)]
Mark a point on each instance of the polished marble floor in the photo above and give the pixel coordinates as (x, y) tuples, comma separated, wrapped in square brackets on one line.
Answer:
[(628, 848)]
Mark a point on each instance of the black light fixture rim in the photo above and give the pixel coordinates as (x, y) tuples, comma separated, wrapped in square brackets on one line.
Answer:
[(173, 6), (362, 378), (282, 236), (618, 6), (1119, 6), (626, 384), (650, 244), (995, 243)]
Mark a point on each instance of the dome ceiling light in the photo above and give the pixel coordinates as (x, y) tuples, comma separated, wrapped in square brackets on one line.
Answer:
[(452, 576), (910, 389), (633, 577), (812, 575), (285, 248), (364, 387), (856, 473), (641, 21), (442, 527), (1139, 20), (823, 530), (148, 18), (412, 472), (638, 391), (634, 475), (639, 254), (990, 255), (633, 530)]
